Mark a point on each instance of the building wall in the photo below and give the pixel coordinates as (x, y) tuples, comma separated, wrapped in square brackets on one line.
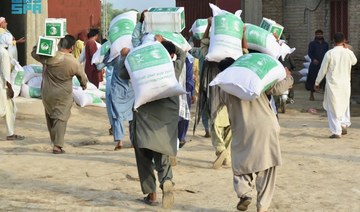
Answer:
[(80, 14), (273, 9)]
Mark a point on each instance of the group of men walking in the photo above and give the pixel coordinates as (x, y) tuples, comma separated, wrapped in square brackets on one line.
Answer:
[(244, 134)]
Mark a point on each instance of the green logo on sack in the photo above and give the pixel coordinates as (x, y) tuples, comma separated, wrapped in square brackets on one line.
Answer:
[(201, 22), (121, 28), (95, 99), (228, 24), (105, 48), (37, 69), (149, 56), (256, 35), (75, 81), (34, 92), (259, 63), (19, 78)]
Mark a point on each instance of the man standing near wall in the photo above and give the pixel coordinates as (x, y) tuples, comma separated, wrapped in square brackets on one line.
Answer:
[(337, 68), (316, 51)]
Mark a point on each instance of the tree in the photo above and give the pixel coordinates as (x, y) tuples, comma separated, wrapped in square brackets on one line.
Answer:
[(107, 14)]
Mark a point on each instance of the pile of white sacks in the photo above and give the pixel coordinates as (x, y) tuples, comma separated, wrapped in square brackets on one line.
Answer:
[(27, 81), (304, 71)]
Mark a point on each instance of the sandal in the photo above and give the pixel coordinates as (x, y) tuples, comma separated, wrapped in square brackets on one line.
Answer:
[(59, 150), (15, 137), (150, 202), (118, 147)]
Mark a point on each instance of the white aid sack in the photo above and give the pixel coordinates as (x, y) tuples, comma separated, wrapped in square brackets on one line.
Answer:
[(152, 73), (304, 71), (285, 50), (97, 93), (76, 84), (99, 55), (307, 58), (306, 65), (82, 98), (176, 38), (303, 79), (32, 71), (198, 28), (225, 35), (120, 31), (250, 75), (259, 39), (17, 77), (32, 89)]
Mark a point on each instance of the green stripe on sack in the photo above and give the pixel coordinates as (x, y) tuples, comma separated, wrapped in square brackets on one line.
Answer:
[(256, 35), (229, 24), (95, 99), (121, 28), (260, 64), (19, 78), (149, 56), (34, 92)]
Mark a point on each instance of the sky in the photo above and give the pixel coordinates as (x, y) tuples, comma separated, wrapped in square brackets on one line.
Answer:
[(141, 5)]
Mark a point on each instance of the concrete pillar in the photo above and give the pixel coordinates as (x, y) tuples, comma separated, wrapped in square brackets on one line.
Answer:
[(35, 26)]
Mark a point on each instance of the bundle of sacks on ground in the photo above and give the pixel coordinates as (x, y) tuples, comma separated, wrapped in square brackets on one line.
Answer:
[(305, 70), (27, 81)]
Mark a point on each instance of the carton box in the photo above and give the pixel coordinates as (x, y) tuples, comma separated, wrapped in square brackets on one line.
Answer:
[(55, 27), (46, 46), (272, 26), (170, 19)]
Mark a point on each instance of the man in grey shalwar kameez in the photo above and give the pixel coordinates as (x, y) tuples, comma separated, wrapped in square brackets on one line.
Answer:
[(255, 148), (56, 89), (155, 131)]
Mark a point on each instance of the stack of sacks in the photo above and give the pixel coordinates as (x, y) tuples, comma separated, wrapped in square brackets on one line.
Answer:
[(91, 96), (152, 73), (261, 40), (198, 28), (17, 77), (225, 35), (250, 75), (31, 87), (304, 72), (120, 31), (160, 81)]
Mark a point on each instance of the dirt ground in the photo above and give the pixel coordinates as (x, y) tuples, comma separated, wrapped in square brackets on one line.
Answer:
[(318, 173)]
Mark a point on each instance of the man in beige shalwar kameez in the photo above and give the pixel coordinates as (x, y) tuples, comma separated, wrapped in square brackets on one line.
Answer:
[(56, 89), (336, 65), (7, 105), (255, 147)]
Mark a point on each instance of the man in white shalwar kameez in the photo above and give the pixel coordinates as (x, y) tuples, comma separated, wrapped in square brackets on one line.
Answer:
[(336, 65), (7, 105)]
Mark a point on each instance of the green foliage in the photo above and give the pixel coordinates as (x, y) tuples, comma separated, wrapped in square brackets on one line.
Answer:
[(108, 12)]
